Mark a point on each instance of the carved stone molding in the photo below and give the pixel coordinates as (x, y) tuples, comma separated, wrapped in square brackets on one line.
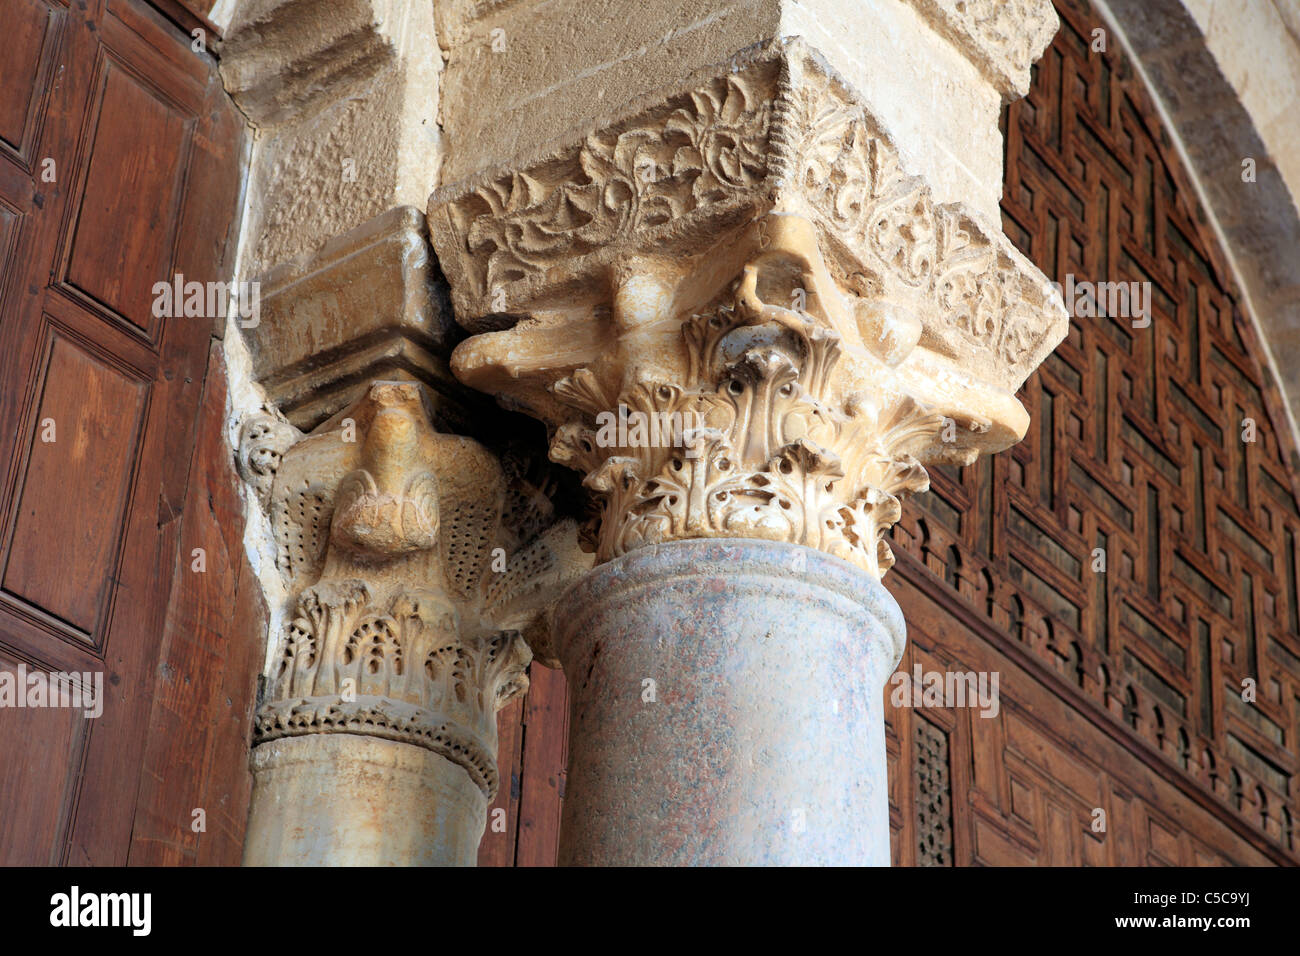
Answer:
[(781, 134), (344, 97), (415, 563), (746, 269), (264, 437), (766, 432), (1002, 38), (369, 304), (283, 57), (398, 669)]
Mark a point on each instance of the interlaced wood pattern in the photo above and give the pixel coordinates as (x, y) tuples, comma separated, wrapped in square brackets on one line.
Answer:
[(1162, 450), (933, 795)]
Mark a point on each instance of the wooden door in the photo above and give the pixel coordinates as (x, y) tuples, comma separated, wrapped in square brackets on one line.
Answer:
[(119, 168)]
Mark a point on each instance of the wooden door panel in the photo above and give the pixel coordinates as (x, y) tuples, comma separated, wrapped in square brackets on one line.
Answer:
[(134, 176), (8, 233), (36, 795), (135, 32), (71, 506), (147, 150), (26, 55)]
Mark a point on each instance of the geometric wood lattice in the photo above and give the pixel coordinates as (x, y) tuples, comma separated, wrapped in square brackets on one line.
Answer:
[(1137, 448), (933, 795)]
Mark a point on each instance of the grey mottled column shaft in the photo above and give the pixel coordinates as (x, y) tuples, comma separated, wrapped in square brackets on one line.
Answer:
[(764, 741)]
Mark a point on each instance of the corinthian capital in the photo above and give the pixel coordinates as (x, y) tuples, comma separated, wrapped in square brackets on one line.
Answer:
[(741, 317), (413, 564)]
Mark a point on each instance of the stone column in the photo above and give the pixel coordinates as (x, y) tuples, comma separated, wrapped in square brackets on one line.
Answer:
[(726, 707), (400, 562), (375, 735), (751, 318)]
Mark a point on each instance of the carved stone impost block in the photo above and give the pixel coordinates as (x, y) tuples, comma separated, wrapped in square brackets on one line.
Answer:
[(1002, 38), (407, 554), (741, 317)]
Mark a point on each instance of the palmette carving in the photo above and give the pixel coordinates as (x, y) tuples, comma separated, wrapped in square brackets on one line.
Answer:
[(746, 268), (399, 669)]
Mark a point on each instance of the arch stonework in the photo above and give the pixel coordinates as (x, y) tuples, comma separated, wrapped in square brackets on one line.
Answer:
[(742, 221)]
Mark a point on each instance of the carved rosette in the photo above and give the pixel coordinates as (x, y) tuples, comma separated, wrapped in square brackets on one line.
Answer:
[(411, 586), (748, 268)]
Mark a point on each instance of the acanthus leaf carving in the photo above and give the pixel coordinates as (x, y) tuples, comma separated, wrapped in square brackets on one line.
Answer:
[(748, 268), (757, 437)]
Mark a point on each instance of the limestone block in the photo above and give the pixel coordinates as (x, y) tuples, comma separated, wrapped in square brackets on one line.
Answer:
[(369, 304), (344, 98), (513, 68)]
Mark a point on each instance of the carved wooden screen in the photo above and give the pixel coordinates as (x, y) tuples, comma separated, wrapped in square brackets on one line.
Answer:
[(1163, 449)]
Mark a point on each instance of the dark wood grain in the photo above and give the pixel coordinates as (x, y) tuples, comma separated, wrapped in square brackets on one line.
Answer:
[(131, 202), (545, 756), (498, 846), (98, 528), (1136, 446), (27, 23), (75, 492), (196, 755)]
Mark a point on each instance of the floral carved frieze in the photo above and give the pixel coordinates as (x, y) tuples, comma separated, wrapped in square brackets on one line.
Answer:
[(779, 134), (697, 157), (414, 563)]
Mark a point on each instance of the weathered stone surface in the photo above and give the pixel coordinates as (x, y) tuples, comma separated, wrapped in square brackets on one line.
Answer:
[(344, 97), (746, 259), (369, 304), (512, 68), (410, 588), (1001, 37), (741, 221), (754, 288), (342, 800), (763, 743)]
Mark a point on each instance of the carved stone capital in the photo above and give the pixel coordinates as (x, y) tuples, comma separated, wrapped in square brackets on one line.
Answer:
[(414, 567), (741, 317)]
